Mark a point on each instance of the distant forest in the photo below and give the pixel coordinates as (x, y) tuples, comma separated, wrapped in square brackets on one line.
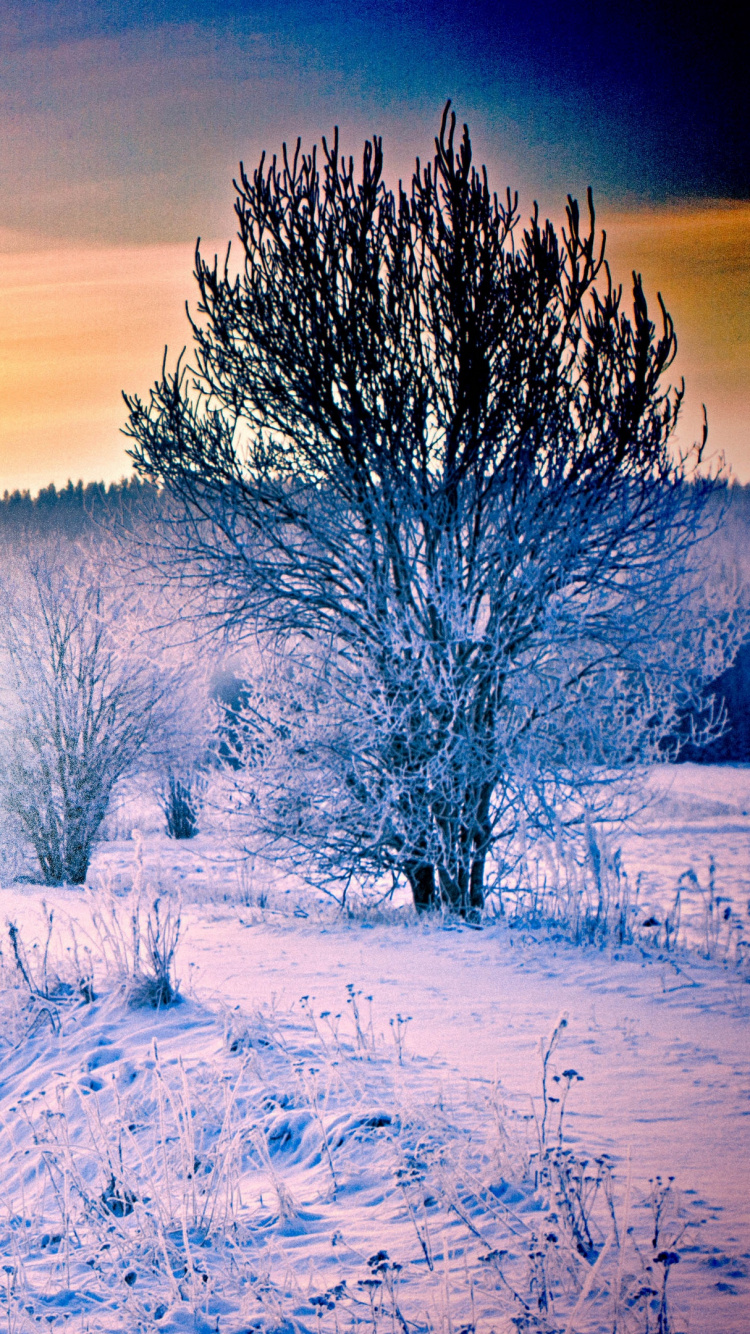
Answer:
[(77, 509), (74, 509)]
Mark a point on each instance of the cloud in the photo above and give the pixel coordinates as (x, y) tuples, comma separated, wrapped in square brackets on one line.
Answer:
[(125, 122), (129, 137)]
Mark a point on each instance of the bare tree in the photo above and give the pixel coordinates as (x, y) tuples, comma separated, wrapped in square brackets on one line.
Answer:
[(81, 699), (426, 454)]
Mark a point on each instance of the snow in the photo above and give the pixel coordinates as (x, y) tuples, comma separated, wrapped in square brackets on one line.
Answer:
[(693, 813), (336, 1074)]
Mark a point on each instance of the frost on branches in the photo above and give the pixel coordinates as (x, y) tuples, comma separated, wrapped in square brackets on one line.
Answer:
[(422, 458)]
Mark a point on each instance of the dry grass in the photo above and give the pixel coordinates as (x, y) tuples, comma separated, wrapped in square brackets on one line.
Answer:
[(306, 1175)]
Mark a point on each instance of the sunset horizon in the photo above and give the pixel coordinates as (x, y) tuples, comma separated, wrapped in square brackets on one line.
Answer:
[(125, 125)]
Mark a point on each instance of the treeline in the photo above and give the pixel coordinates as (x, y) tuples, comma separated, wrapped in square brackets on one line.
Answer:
[(729, 692), (734, 533), (74, 509)]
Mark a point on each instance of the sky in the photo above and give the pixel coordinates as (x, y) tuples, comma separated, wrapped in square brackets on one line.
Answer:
[(124, 123)]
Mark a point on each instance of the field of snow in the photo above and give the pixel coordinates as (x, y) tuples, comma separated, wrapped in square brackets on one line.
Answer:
[(342, 1124)]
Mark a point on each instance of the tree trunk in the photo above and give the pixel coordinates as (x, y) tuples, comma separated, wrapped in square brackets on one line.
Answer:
[(77, 858), (421, 877), (476, 885), (482, 836)]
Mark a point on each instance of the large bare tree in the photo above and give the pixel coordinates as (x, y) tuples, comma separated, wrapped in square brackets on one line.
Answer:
[(426, 452)]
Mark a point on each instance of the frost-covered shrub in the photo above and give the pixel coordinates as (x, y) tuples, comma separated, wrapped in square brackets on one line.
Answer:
[(87, 694), (180, 800)]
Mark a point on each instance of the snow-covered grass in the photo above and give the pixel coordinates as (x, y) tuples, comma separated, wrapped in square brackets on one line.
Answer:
[(350, 1122), (676, 877), (183, 1168)]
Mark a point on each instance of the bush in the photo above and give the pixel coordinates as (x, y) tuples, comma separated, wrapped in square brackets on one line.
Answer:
[(80, 702), (179, 799)]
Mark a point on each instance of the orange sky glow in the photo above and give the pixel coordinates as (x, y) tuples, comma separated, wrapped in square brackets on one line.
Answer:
[(79, 324), (699, 258)]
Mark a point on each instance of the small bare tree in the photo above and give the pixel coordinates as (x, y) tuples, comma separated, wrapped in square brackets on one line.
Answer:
[(427, 454), (81, 699)]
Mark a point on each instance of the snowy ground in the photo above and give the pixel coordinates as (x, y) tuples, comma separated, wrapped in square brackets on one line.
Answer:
[(362, 1099), (700, 814)]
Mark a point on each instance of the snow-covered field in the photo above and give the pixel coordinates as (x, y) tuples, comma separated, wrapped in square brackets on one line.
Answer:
[(341, 1126)]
